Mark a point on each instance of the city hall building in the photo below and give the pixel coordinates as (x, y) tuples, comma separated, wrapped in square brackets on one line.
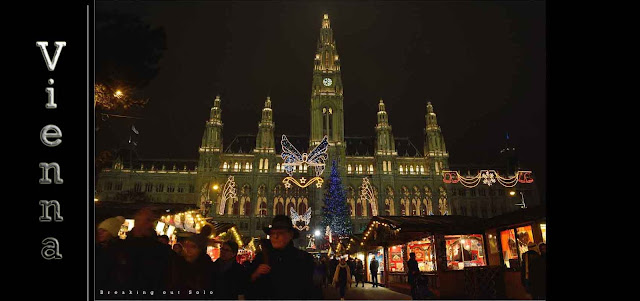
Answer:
[(406, 181)]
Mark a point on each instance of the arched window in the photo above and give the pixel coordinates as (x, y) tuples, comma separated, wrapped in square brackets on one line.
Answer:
[(401, 171), (358, 208), (247, 207), (278, 167), (389, 166), (371, 168), (349, 168), (263, 209), (247, 167), (302, 207), (266, 165), (403, 209), (413, 209), (235, 166), (384, 166), (421, 169), (411, 169), (225, 166), (279, 207), (261, 164), (235, 208), (290, 204)]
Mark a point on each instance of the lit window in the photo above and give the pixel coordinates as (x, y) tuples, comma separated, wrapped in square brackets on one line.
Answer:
[(266, 165), (260, 165), (465, 251), (384, 166), (401, 169), (225, 166), (371, 168), (236, 166), (349, 168)]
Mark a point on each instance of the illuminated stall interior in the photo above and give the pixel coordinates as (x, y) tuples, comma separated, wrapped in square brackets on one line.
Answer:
[(393, 238), (510, 235)]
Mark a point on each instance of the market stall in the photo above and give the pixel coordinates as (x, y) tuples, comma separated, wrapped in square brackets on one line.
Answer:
[(508, 237), (444, 246)]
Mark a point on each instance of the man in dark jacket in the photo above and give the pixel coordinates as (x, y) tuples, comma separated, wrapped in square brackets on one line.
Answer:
[(142, 262), (231, 277), (280, 270), (373, 268), (412, 272)]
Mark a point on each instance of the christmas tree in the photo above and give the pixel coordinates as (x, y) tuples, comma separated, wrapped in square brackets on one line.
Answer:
[(336, 211)]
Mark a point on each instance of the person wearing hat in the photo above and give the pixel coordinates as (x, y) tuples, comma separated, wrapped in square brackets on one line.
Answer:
[(280, 270), (105, 251)]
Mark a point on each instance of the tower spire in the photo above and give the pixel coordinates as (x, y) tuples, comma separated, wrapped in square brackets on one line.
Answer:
[(434, 147), (265, 141), (385, 144)]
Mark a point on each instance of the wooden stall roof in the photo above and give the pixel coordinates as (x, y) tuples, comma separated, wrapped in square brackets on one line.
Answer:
[(219, 227), (516, 217), (406, 228)]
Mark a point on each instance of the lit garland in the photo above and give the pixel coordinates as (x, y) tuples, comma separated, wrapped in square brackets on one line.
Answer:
[(303, 182), (292, 159), (228, 192), (367, 195), (488, 177), (295, 217)]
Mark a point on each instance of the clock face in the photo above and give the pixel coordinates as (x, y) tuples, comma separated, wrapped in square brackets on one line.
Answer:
[(326, 81)]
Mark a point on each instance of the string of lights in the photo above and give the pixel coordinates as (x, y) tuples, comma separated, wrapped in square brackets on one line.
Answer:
[(488, 177), (228, 192)]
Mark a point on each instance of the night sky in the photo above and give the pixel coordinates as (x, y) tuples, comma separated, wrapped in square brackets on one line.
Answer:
[(481, 64)]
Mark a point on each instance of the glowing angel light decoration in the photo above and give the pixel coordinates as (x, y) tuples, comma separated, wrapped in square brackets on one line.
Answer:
[(228, 192), (292, 158), (366, 191), (296, 218)]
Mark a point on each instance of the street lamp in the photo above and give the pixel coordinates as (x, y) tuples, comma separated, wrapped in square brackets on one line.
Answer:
[(215, 187), (317, 233), (118, 94), (522, 204)]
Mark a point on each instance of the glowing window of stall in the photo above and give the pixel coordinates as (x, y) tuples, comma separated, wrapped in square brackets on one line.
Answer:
[(396, 258), (213, 252), (425, 254), (543, 229), (524, 237), (465, 251), (509, 247)]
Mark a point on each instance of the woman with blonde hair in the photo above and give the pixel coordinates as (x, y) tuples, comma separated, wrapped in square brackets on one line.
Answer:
[(342, 276)]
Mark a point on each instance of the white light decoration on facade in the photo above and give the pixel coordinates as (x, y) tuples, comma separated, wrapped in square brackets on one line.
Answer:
[(293, 160), (368, 196), (487, 177), (228, 193), (295, 218)]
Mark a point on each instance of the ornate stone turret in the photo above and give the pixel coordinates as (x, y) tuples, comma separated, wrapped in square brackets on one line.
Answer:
[(434, 147), (212, 138), (385, 144), (265, 141)]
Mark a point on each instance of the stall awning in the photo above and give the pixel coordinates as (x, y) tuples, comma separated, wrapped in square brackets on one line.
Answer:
[(389, 230)]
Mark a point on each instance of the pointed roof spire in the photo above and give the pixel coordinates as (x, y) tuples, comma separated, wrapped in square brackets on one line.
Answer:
[(381, 106), (429, 107), (267, 103)]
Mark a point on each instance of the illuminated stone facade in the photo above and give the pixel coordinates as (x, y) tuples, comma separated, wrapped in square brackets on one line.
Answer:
[(406, 181)]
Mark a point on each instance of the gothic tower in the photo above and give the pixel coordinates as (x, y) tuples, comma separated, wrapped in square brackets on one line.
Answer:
[(327, 114), (211, 147), (265, 140), (385, 144), (434, 147)]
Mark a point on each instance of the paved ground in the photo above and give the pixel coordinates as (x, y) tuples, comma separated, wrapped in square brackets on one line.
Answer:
[(364, 293)]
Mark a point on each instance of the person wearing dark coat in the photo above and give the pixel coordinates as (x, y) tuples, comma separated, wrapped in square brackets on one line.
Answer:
[(528, 261), (412, 273), (107, 242), (142, 262), (194, 271), (280, 270), (231, 278), (352, 267), (359, 272), (373, 268), (538, 274)]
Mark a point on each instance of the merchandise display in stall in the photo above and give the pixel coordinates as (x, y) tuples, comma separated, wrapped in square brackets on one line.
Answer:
[(425, 254), (396, 258), (465, 251), (543, 229), (509, 247), (525, 237)]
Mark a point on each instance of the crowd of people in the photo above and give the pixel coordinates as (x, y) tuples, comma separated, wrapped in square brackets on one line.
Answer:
[(145, 262)]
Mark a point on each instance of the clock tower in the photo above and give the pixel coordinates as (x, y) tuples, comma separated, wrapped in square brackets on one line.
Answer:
[(327, 113)]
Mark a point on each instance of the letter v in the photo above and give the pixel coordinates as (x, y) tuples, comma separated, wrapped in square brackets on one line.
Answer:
[(45, 53)]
